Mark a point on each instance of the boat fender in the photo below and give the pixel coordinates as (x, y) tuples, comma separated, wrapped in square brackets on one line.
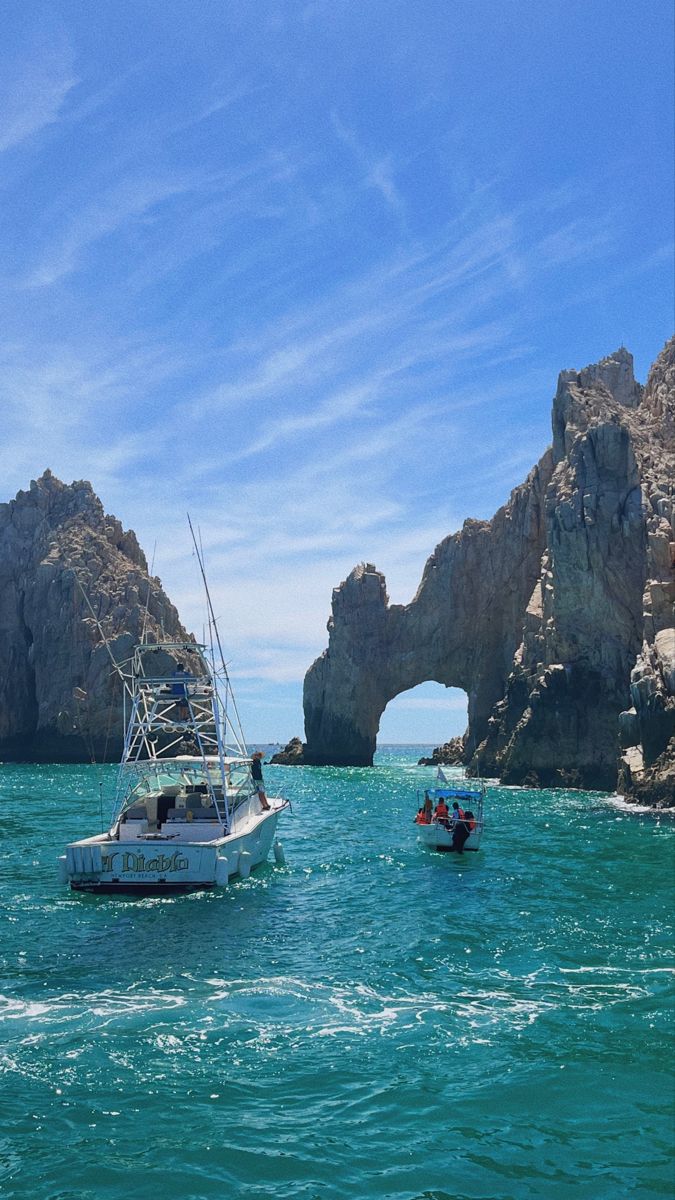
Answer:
[(222, 870), (279, 856), (62, 869), (245, 857)]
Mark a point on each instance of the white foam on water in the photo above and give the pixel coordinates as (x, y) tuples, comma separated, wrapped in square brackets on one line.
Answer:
[(620, 802)]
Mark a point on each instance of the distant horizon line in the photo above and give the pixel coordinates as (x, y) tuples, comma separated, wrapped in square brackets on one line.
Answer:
[(379, 746)]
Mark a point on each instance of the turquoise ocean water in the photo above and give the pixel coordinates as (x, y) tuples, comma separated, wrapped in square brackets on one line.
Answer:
[(370, 1020)]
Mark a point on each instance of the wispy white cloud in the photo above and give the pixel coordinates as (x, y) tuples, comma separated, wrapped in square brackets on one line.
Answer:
[(378, 173), (388, 342), (381, 178), (35, 81), (283, 362), (82, 410), (220, 104), (576, 240), (347, 405), (130, 199)]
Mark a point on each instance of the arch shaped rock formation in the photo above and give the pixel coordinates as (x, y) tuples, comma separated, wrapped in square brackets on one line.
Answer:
[(540, 614), (461, 629)]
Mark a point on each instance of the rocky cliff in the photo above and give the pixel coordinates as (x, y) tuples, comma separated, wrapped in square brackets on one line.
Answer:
[(555, 617), (59, 696)]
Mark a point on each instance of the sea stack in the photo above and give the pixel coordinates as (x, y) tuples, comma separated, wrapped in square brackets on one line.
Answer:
[(69, 574), (556, 617)]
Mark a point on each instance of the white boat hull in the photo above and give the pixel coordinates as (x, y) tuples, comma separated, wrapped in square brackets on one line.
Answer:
[(173, 862), (437, 837)]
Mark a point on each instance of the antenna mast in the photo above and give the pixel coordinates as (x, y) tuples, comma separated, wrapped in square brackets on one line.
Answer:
[(238, 732)]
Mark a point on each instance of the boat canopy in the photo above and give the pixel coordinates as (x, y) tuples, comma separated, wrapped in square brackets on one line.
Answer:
[(181, 762), (454, 793)]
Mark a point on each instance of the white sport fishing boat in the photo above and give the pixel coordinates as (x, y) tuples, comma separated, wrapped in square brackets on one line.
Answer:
[(188, 813), (458, 824)]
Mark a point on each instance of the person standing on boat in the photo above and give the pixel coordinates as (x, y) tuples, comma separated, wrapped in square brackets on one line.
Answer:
[(461, 830), (257, 776), (460, 835), (457, 813)]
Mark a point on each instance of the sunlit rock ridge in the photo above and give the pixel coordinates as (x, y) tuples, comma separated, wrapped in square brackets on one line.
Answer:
[(555, 617), (60, 699)]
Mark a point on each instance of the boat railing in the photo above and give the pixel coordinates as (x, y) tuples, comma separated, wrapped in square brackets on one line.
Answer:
[(173, 683), (450, 822)]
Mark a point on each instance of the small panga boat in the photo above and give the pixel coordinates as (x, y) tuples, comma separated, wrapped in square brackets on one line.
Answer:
[(452, 833)]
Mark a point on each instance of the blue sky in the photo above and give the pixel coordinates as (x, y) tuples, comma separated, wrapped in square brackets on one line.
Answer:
[(309, 271)]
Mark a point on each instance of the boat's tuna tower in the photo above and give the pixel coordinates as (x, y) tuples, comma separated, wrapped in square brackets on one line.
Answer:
[(179, 727)]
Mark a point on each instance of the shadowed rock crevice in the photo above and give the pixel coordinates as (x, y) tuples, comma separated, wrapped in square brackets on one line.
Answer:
[(555, 617), (30, 697)]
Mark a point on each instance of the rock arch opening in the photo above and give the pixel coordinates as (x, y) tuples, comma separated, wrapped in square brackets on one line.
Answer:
[(427, 715)]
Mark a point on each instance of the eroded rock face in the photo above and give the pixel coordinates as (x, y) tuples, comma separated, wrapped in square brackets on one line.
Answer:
[(59, 697), (647, 730), (552, 617)]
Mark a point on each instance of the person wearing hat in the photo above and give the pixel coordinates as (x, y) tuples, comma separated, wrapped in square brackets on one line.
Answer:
[(256, 775)]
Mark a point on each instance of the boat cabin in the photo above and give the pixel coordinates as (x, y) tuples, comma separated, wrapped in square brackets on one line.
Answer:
[(178, 797)]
